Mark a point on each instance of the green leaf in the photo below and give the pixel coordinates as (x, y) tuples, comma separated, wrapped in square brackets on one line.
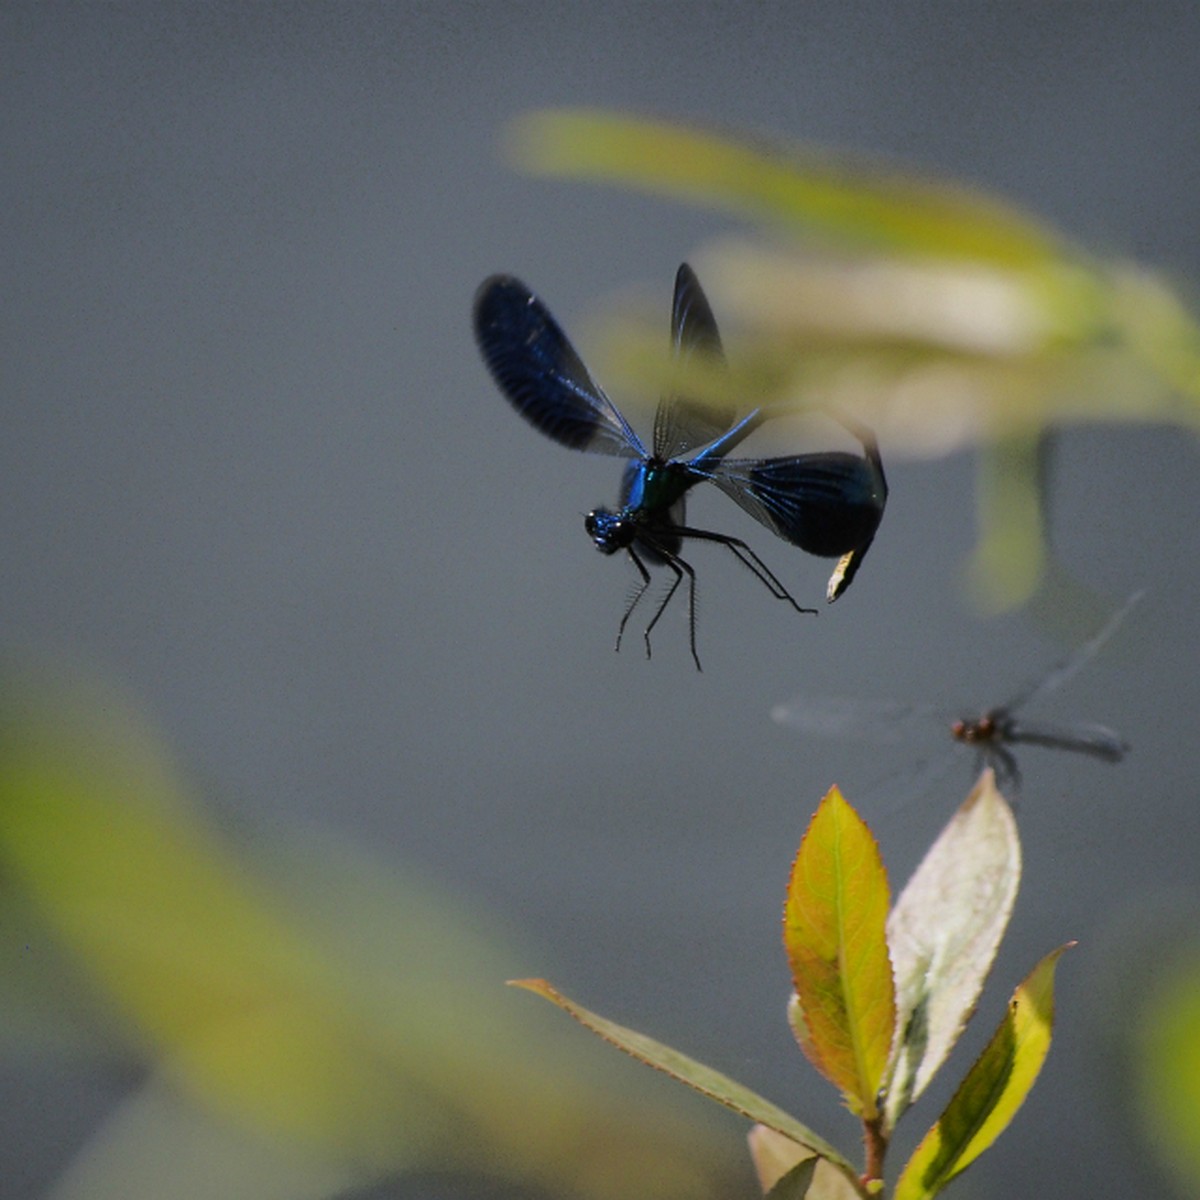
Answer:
[(834, 922), (687, 1070), (995, 1087), (943, 934), (798, 187)]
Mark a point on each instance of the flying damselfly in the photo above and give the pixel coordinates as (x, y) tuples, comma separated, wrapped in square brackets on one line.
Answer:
[(828, 503), (994, 734)]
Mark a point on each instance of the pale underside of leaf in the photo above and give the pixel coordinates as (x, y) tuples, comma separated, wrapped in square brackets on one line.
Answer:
[(943, 934), (794, 1184), (696, 1075), (993, 1091), (776, 1158)]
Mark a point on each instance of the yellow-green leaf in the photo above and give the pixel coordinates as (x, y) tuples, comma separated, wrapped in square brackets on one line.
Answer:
[(821, 192), (834, 922), (696, 1075), (995, 1087), (1166, 1064)]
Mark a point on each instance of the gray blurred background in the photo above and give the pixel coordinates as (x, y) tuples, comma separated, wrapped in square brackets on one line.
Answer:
[(251, 464)]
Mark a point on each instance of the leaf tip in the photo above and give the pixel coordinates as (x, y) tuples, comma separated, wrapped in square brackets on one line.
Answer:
[(541, 987)]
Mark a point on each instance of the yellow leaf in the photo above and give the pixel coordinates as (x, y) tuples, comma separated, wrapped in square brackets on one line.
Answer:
[(834, 923), (995, 1087)]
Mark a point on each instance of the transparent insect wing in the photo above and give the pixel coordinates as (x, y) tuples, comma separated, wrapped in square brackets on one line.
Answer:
[(1082, 737), (540, 373), (683, 424), (881, 722), (1076, 661)]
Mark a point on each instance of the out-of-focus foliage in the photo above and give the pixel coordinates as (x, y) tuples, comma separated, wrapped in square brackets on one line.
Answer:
[(1165, 1065), (944, 935), (307, 1020), (937, 315)]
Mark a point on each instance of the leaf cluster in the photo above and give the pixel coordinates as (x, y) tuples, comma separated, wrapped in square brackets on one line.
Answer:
[(934, 313), (881, 993)]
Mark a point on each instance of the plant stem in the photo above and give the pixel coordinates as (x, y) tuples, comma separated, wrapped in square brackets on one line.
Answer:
[(875, 1144)]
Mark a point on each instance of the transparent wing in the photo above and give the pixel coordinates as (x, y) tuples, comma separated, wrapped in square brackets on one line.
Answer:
[(882, 722), (1082, 737), (827, 503), (1070, 666), (542, 376), (682, 424)]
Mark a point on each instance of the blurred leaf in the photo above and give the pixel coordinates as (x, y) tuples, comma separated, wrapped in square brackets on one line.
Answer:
[(943, 935), (44, 997), (1010, 557), (928, 311), (311, 1002), (1166, 1066), (156, 1145), (834, 936), (776, 1158), (687, 1070), (993, 1091), (801, 187)]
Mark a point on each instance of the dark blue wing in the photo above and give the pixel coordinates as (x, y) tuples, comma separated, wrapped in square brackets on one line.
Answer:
[(682, 424), (827, 504), (538, 370)]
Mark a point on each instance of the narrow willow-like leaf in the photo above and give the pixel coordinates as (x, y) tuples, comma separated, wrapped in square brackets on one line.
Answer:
[(778, 1161), (943, 934), (995, 1087), (799, 187), (696, 1075), (834, 922)]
